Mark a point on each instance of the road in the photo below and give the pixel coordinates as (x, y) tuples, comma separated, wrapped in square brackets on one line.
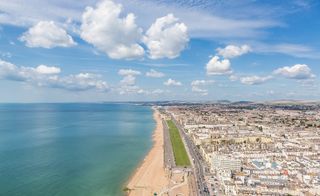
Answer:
[(196, 161)]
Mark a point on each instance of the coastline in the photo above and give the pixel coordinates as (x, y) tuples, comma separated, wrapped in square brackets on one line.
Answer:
[(150, 176)]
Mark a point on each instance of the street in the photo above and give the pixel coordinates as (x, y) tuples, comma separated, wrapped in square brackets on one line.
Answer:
[(196, 161)]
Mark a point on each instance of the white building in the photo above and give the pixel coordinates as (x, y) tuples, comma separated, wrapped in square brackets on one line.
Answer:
[(224, 162)]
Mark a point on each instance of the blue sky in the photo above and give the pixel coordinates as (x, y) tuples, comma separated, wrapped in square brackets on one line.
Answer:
[(139, 50)]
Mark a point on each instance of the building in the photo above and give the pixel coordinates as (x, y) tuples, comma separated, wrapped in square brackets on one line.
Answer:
[(225, 162)]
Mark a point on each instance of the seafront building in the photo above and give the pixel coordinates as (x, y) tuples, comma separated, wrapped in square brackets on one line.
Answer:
[(250, 149)]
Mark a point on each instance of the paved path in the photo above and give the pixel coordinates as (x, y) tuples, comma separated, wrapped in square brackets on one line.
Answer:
[(168, 152), (174, 187)]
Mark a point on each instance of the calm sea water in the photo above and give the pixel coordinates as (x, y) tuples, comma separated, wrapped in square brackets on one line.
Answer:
[(71, 149)]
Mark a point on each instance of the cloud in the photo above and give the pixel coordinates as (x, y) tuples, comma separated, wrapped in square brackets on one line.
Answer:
[(213, 23), (46, 76), (131, 90), (154, 74), (166, 38), (232, 51), (270, 92), (26, 13), (43, 69), (226, 24), (223, 67), (254, 80), (154, 92), (47, 34), (196, 86), (104, 28), (201, 82), (5, 54), (233, 78), (199, 90), (309, 83), (129, 76), (10, 71), (157, 92), (78, 82), (171, 82), (217, 67), (126, 72), (128, 80), (298, 71), (128, 83), (295, 50)]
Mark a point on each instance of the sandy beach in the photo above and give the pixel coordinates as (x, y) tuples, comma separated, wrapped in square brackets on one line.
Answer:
[(150, 177)]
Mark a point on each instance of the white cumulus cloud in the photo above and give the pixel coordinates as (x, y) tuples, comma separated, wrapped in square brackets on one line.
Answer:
[(232, 51), (44, 69), (154, 74), (47, 76), (218, 67), (104, 28), (12, 72), (166, 38), (128, 82), (126, 72), (47, 34), (129, 76), (78, 82), (298, 71), (171, 82), (254, 80)]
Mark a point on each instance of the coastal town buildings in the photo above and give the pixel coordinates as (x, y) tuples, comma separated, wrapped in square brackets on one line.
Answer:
[(251, 149)]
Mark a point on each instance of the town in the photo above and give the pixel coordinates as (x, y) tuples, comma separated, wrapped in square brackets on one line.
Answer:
[(250, 149)]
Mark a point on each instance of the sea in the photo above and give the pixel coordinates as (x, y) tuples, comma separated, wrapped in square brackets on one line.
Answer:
[(71, 149)]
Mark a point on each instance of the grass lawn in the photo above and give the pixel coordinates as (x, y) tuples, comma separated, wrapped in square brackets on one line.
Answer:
[(179, 151)]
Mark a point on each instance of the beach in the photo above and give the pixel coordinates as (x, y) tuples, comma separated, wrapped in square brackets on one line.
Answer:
[(150, 177)]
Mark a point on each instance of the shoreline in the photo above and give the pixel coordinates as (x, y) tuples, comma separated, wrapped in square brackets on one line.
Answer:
[(150, 176)]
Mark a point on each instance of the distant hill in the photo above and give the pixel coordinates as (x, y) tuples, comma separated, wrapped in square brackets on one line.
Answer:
[(292, 102), (223, 101), (242, 102)]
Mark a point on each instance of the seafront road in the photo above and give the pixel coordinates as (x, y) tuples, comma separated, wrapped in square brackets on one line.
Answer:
[(169, 161), (196, 161)]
